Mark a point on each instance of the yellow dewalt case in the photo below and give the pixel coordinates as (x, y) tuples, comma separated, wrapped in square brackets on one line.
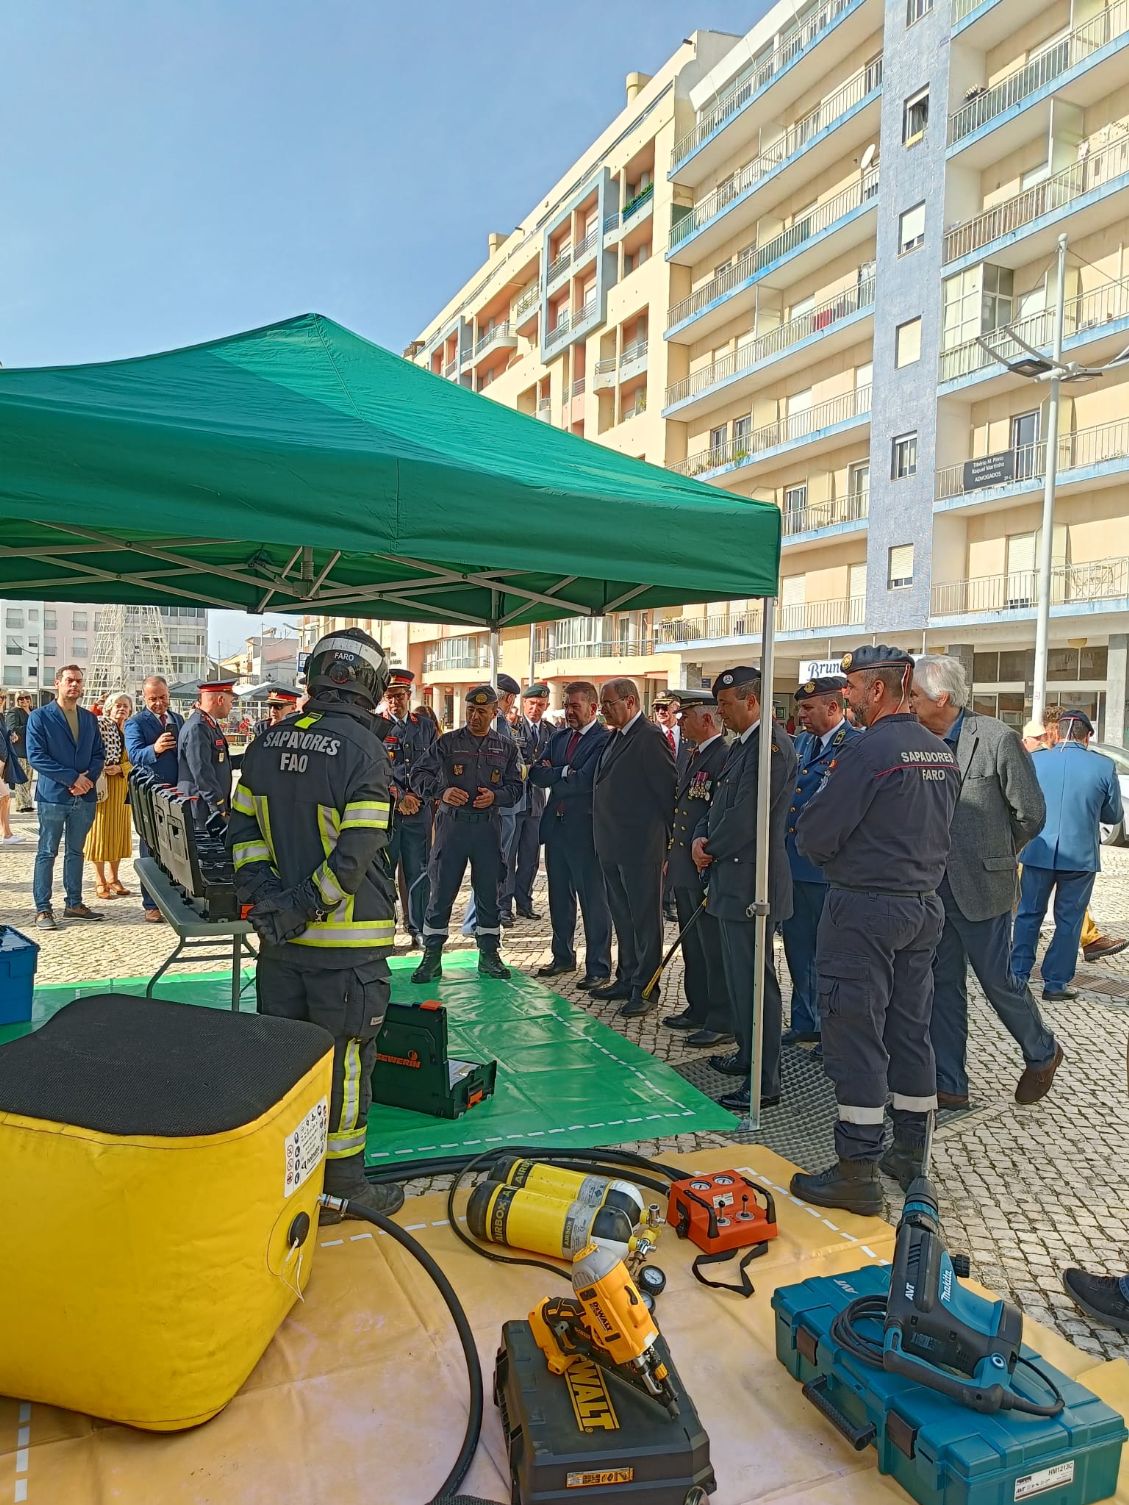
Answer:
[(160, 1166)]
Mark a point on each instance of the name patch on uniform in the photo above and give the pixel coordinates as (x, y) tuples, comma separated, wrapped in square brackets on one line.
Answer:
[(303, 741)]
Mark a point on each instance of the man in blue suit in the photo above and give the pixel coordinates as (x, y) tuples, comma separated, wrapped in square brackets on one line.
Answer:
[(826, 731), (150, 742), (1081, 791), (571, 865)]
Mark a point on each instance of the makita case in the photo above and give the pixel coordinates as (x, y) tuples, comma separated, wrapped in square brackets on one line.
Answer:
[(940, 1452), (590, 1436)]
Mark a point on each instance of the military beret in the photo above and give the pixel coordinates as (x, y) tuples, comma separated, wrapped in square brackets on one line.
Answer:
[(536, 692), (738, 676), (1068, 717), (697, 700), (875, 656), (482, 695), (827, 684), (508, 685), (400, 677)]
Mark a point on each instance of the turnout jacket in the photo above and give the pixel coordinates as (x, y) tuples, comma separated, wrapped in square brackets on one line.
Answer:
[(312, 803)]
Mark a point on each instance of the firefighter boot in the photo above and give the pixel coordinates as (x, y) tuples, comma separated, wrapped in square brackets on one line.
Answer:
[(903, 1161), (850, 1184), (490, 964), (430, 966)]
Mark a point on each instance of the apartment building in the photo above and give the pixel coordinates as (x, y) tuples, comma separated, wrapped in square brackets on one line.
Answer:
[(805, 265), (40, 636)]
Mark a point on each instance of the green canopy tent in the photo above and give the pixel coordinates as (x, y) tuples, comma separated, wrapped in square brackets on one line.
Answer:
[(301, 468)]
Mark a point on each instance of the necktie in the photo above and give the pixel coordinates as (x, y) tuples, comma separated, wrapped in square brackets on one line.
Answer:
[(573, 743), (670, 740)]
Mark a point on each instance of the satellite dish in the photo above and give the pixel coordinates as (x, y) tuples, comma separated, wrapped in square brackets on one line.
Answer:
[(868, 156)]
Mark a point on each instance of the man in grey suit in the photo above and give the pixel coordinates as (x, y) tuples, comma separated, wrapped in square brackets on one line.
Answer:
[(726, 846), (1000, 808), (632, 817)]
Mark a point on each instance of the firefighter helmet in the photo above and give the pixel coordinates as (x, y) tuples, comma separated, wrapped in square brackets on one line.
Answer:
[(349, 662)]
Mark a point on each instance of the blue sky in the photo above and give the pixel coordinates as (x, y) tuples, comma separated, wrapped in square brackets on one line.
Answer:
[(176, 171)]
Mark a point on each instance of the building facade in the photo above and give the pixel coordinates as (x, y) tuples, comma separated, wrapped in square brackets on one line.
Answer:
[(39, 637), (801, 265)]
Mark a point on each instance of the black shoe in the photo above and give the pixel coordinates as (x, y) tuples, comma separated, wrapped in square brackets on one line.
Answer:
[(1050, 995), (490, 965), (431, 965), (556, 969), (386, 1198), (84, 912), (637, 1006), (800, 1037), (850, 1184), (505, 920), (903, 1161), (671, 916), (1099, 1296), (739, 1101), (527, 914), (680, 1021), (701, 1039), (612, 992), (730, 1065), (586, 984)]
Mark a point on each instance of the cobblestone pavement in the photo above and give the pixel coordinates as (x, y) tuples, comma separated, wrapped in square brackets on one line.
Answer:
[(1025, 1190)]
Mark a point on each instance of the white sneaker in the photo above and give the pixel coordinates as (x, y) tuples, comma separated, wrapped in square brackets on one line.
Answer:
[(8, 841)]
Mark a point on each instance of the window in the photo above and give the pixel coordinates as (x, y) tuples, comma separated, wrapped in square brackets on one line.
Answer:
[(907, 348), (13, 618), (1024, 440), (1021, 572), (911, 228), (717, 437), (742, 428), (915, 9), (858, 479), (13, 647), (50, 647), (14, 676), (78, 622), (78, 646), (904, 457), (997, 297), (33, 614), (899, 572), (48, 618), (795, 508), (915, 116)]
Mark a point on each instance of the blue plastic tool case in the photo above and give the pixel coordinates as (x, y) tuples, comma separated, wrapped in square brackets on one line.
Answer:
[(940, 1452), (19, 958)]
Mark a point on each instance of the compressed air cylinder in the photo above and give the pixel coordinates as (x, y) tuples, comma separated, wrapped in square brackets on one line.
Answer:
[(523, 1219), (570, 1186)]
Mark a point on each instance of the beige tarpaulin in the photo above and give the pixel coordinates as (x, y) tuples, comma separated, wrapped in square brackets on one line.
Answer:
[(361, 1398)]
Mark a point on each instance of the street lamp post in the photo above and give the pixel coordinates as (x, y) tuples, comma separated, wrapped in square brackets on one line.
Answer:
[(1050, 479)]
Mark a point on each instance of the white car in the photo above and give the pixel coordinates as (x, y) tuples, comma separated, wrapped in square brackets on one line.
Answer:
[(1116, 836)]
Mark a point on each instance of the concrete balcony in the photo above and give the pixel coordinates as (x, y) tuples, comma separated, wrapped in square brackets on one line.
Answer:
[(1070, 68), (501, 337), (1077, 590), (815, 429), (613, 648), (576, 400), (544, 410), (526, 309), (1020, 228), (731, 629), (832, 228), (560, 331), (436, 662), (604, 374), (1088, 459), (822, 520), (633, 360), (816, 142), (633, 213), (559, 267), (771, 356), (451, 370), (795, 65)]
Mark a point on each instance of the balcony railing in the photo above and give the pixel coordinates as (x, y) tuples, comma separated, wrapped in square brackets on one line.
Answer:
[(603, 648), (1070, 50), (562, 263), (737, 96), (787, 430), (469, 658), (586, 311), (1092, 446), (633, 352), (450, 368), (607, 366), (529, 299), (816, 321), (1056, 192), (1101, 305), (794, 139), (1018, 590), (586, 245), (559, 329), (962, 8), (492, 336), (543, 410), (578, 387), (846, 509), (634, 205), (801, 616), (821, 218)]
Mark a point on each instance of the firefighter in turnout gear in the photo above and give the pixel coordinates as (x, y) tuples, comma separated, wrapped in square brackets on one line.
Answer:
[(309, 837)]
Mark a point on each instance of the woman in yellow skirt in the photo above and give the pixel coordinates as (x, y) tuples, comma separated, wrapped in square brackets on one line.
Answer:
[(111, 836)]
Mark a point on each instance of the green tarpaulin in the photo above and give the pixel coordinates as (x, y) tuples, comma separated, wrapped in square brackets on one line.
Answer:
[(301, 467)]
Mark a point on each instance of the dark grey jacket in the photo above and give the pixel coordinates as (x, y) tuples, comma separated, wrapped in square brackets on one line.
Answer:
[(633, 796), (730, 826), (1000, 809)]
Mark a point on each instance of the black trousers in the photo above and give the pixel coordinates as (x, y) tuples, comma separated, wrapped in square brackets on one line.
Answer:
[(474, 838), (703, 967), (574, 873), (409, 847), (524, 861), (349, 1002), (635, 900), (739, 954)]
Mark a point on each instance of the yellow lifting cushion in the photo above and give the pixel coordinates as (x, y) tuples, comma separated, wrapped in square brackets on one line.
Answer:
[(160, 1166)]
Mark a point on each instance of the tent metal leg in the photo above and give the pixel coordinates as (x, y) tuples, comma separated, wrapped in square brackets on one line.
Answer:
[(763, 936)]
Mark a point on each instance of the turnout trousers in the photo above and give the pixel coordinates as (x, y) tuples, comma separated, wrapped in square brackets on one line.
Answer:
[(875, 963), (349, 1002), (472, 837)]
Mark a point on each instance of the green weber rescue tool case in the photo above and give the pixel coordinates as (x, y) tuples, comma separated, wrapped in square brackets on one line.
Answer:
[(413, 1069), (592, 1437), (940, 1452)]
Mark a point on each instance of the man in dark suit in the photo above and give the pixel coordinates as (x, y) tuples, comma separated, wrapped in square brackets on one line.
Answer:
[(707, 1017), (150, 742), (726, 846), (565, 774), (632, 816), (533, 734), (666, 708)]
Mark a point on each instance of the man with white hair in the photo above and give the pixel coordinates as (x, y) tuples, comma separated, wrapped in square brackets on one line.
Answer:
[(1000, 808)]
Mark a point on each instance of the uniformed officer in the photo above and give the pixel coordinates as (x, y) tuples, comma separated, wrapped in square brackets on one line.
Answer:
[(309, 837), (203, 756), (508, 691), (725, 843), (879, 828), (407, 736), (533, 734), (707, 1018), (474, 774), (280, 704), (819, 707)]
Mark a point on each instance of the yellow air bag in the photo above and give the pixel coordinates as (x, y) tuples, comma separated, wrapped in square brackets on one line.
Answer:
[(157, 1163)]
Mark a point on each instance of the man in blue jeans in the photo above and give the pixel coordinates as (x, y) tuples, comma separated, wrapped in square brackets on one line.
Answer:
[(64, 746)]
